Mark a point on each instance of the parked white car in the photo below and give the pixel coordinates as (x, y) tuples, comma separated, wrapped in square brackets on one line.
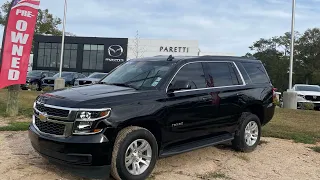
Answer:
[(308, 93)]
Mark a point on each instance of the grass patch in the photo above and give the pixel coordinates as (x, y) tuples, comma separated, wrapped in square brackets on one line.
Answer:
[(213, 175), (316, 149), (26, 99), (16, 126), (243, 157), (298, 125)]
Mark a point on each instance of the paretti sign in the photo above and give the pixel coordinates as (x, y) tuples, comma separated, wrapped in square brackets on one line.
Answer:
[(17, 42)]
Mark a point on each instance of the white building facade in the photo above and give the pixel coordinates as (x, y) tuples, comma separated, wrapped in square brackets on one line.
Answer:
[(138, 48)]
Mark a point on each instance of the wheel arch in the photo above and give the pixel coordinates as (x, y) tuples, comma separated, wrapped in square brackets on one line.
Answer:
[(151, 125), (257, 109)]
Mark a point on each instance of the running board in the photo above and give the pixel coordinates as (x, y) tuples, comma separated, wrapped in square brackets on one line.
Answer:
[(190, 146)]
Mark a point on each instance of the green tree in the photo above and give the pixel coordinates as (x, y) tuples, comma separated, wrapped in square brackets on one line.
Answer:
[(308, 57), (275, 54)]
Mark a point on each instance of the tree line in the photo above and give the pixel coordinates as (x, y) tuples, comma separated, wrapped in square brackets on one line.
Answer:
[(275, 55)]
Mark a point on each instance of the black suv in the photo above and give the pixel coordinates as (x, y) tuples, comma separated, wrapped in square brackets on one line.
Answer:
[(155, 107)]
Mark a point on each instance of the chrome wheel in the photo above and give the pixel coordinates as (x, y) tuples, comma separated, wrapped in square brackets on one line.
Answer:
[(251, 133), (138, 156)]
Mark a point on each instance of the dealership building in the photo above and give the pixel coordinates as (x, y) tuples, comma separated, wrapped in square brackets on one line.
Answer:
[(95, 54)]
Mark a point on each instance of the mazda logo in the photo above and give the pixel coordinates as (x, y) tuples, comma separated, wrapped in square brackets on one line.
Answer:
[(115, 50)]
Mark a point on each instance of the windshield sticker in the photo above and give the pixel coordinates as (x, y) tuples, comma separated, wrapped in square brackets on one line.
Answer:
[(156, 81)]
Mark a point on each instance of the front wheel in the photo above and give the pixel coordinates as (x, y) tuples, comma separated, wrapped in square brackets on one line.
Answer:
[(247, 137), (134, 154)]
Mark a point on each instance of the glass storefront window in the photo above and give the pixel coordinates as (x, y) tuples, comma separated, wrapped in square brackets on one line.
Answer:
[(93, 57), (49, 55)]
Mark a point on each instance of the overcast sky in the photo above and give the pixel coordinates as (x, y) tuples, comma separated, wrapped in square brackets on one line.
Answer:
[(227, 26)]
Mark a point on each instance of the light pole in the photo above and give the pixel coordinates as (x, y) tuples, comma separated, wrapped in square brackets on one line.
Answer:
[(292, 43), (63, 32), (60, 82), (290, 97)]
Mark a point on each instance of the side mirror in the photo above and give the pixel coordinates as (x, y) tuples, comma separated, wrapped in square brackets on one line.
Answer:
[(180, 85)]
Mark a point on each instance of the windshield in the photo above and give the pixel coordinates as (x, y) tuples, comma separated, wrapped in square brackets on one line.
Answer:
[(308, 88), (34, 73), (139, 74), (64, 74), (97, 75)]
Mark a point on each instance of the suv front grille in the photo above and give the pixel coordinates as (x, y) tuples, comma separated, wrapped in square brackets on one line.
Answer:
[(52, 111), (50, 127), (311, 98)]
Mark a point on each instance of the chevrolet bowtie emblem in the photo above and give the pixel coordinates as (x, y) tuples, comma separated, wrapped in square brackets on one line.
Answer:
[(43, 117)]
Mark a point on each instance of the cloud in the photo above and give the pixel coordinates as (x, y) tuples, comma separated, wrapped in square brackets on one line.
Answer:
[(226, 26)]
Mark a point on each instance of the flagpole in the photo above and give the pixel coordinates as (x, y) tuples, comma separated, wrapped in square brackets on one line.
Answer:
[(292, 42), (62, 41)]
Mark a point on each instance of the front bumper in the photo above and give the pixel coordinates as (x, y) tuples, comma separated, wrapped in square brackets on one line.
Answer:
[(92, 152), (315, 103)]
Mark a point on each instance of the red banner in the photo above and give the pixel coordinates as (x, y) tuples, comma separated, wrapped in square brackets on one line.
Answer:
[(17, 42)]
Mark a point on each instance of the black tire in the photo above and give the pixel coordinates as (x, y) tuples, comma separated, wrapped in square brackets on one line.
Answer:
[(124, 138), (239, 142)]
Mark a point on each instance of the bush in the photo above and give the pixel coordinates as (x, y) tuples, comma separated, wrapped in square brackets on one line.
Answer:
[(307, 106)]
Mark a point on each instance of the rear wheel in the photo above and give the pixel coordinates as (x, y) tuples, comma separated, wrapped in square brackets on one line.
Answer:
[(134, 154), (247, 137)]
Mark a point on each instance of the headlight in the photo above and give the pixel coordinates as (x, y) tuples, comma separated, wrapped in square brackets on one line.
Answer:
[(87, 121)]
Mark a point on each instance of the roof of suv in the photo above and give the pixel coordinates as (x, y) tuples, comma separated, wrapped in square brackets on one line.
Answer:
[(212, 58)]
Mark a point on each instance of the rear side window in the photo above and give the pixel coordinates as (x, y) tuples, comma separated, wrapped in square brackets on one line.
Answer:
[(256, 72), (220, 74), (192, 72)]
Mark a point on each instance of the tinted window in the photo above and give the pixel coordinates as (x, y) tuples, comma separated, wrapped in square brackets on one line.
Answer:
[(220, 74), (256, 72), (191, 72)]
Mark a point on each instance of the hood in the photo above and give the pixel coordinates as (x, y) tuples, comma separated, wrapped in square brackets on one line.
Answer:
[(88, 79), (309, 93), (88, 95)]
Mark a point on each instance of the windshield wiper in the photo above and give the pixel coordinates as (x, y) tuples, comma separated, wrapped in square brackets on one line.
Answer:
[(123, 85)]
